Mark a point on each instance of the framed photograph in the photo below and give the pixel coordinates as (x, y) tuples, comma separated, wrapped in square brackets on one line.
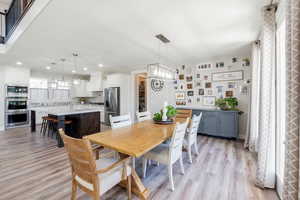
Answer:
[(181, 76), (198, 99), (189, 78), (180, 95), (198, 76), (209, 100), (228, 76), (231, 85), (189, 86), (229, 94), (198, 84), (220, 88), (201, 91), (190, 93), (208, 85), (205, 77), (209, 92)]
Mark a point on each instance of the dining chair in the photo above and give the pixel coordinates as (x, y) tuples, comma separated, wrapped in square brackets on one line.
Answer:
[(191, 136), (95, 177), (169, 154), (183, 113), (120, 121), (142, 116)]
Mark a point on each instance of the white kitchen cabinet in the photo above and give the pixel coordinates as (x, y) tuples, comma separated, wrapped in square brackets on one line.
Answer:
[(95, 83), (80, 89)]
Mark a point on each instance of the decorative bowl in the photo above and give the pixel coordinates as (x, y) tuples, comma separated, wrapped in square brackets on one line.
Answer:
[(169, 121)]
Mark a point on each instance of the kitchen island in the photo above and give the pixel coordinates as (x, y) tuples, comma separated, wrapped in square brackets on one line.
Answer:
[(83, 122)]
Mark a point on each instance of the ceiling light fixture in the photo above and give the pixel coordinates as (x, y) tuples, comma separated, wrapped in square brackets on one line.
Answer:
[(19, 63), (85, 69), (48, 67), (73, 71), (100, 65)]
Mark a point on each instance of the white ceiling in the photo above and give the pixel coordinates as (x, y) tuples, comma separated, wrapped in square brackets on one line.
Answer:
[(120, 34), (4, 4)]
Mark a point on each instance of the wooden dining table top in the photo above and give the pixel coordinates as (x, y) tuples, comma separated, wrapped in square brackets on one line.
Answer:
[(136, 139)]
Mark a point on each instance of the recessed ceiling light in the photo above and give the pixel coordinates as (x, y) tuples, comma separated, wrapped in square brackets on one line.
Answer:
[(48, 67), (100, 65), (85, 69), (19, 63), (73, 71)]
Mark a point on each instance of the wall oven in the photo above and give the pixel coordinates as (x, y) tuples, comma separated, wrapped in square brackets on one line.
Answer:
[(15, 119), (16, 106)]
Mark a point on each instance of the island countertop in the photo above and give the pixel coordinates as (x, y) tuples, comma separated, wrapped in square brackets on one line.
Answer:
[(72, 111)]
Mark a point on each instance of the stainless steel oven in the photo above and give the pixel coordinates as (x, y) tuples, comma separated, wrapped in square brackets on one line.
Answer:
[(16, 104), (16, 108), (14, 119)]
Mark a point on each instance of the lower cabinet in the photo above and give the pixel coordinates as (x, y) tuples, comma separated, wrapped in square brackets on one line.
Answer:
[(218, 123)]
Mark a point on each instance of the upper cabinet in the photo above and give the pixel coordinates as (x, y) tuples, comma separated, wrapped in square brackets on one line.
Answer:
[(95, 83), (80, 89)]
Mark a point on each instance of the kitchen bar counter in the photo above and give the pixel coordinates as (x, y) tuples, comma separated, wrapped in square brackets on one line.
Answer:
[(83, 121)]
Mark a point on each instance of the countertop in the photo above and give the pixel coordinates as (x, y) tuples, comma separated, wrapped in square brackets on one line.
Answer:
[(72, 111), (69, 109)]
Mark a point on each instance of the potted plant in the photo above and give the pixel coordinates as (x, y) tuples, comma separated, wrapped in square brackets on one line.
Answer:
[(171, 112), (229, 103)]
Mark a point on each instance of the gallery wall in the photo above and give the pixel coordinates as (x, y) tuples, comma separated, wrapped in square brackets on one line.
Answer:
[(198, 86)]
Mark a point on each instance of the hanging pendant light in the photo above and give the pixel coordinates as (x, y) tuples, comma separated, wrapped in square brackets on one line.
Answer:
[(74, 71)]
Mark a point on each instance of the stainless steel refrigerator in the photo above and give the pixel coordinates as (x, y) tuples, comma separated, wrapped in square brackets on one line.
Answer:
[(111, 103)]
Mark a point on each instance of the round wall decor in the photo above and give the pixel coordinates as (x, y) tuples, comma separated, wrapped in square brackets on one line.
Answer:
[(157, 85)]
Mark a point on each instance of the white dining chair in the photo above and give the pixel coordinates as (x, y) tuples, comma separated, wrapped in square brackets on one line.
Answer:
[(191, 136), (120, 121), (142, 116), (169, 154)]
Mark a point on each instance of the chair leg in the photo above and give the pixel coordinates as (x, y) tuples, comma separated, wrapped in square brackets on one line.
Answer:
[(181, 165), (196, 148), (74, 190), (144, 167), (133, 162), (97, 152), (190, 153), (42, 127), (129, 186), (170, 170)]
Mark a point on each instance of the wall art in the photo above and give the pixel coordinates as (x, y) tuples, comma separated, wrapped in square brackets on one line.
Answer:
[(220, 88), (244, 89), (209, 100), (232, 84), (220, 65), (246, 62), (209, 92), (190, 100), (189, 78), (157, 85), (198, 83), (229, 94), (228, 76), (189, 86), (190, 93), (180, 95), (198, 76), (181, 103), (201, 92), (198, 99), (234, 60), (181, 77), (208, 85), (205, 77)]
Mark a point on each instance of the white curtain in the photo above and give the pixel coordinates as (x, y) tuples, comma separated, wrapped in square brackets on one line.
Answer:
[(265, 176), (251, 140)]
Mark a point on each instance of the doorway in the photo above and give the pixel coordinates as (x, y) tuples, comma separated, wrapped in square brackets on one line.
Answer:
[(141, 92)]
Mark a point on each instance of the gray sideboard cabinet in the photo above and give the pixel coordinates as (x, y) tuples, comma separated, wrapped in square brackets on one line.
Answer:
[(218, 123)]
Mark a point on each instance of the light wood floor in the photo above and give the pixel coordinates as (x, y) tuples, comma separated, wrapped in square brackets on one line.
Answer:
[(33, 168)]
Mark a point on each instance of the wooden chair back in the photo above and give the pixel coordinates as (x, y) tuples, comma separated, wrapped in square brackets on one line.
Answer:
[(142, 116), (120, 121), (182, 113), (193, 128), (177, 140), (82, 162)]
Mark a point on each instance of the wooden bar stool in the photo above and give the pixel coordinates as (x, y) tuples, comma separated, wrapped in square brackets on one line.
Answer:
[(54, 126), (45, 124)]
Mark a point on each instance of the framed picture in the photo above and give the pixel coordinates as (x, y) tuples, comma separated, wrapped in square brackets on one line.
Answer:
[(209, 92), (208, 85), (205, 77), (180, 95), (209, 100), (189, 78), (229, 94), (198, 76), (231, 85), (198, 99), (181, 76), (190, 93), (189, 86), (201, 91), (228, 76), (198, 84)]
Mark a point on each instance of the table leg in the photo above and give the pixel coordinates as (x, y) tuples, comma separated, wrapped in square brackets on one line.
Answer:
[(137, 186)]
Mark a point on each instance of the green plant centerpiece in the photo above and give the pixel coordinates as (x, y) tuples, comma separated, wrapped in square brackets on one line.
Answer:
[(171, 112), (229, 103)]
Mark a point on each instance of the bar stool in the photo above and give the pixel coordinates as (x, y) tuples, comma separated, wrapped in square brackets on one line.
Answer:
[(53, 125), (45, 124)]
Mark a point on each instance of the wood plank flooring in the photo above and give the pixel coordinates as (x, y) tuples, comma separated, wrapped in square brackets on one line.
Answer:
[(33, 168)]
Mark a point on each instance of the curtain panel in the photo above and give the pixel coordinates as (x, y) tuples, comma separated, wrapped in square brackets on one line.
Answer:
[(251, 140), (265, 176), (291, 178)]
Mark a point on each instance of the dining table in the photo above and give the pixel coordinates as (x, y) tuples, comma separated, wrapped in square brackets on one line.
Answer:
[(134, 141)]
